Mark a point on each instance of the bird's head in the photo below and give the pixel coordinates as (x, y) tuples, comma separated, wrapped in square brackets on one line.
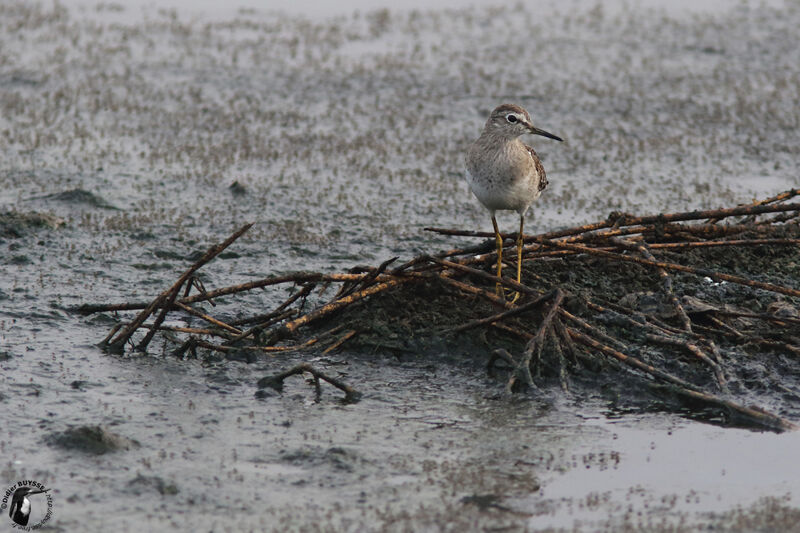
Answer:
[(511, 121)]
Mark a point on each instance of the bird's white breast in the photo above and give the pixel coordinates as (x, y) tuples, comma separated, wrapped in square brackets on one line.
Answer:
[(504, 181)]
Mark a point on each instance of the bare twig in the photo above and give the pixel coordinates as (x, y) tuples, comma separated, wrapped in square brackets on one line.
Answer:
[(274, 319), (620, 220), (344, 338), (484, 275), (631, 361), (368, 279), (278, 311), (336, 305), (501, 354), (694, 350), (208, 318), (666, 280), (276, 381), (295, 277), (500, 316), (168, 296), (777, 198), (751, 415), (477, 291), (536, 344)]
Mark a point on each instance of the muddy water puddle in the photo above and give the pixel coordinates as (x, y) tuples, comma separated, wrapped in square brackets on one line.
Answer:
[(122, 132)]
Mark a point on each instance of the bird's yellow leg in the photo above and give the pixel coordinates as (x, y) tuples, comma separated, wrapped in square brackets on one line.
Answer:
[(498, 289), (519, 256)]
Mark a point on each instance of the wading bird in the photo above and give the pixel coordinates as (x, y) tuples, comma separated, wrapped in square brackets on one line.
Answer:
[(505, 174)]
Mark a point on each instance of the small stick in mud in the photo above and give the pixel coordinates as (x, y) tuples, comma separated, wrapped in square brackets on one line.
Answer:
[(276, 382), (333, 306), (208, 318), (516, 310), (694, 350), (344, 338), (666, 280), (535, 345), (485, 275), (500, 354), (168, 297), (369, 279), (268, 320), (467, 288)]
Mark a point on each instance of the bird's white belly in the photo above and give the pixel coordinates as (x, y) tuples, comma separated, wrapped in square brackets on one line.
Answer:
[(498, 195)]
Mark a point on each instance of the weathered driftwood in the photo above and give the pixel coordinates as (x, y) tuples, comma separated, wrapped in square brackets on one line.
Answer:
[(571, 338)]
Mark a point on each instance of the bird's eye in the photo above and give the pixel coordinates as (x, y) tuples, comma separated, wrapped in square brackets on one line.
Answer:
[(511, 118)]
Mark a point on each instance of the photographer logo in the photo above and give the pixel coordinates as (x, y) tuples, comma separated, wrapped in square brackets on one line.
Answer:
[(29, 504)]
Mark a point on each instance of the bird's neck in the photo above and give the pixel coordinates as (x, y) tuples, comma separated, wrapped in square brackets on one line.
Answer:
[(494, 141)]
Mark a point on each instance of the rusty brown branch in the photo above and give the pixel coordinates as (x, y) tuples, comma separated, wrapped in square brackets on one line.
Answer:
[(791, 193), (295, 277), (486, 276), (336, 305), (477, 291), (709, 244), (278, 311), (367, 279), (753, 415), (178, 329), (626, 220), (349, 334), (274, 319), (514, 331)]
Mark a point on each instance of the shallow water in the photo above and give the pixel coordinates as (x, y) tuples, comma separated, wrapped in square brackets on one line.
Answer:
[(347, 131)]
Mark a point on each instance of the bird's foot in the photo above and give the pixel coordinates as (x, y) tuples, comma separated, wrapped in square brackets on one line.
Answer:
[(510, 295)]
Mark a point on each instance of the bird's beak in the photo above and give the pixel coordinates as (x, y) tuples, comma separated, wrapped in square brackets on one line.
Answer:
[(537, 131), (37, 491)]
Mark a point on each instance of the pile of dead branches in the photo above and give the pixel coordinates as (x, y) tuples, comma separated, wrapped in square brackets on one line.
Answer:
[(569, 335)]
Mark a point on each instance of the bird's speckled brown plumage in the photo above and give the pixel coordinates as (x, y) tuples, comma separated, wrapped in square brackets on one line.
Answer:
[(539, 169)]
